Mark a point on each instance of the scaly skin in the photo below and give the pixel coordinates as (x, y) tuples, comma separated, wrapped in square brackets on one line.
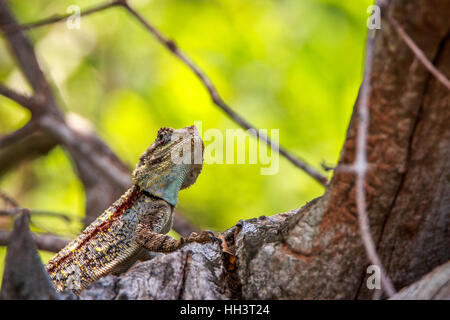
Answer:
[(138, 220)]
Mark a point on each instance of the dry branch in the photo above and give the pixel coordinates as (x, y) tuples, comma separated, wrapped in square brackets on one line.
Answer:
[(25, 276), (418, 52), (27, 102), (104, 176), (46, 242), (59, 17), (360, 167), (206, 81), (433, 286), (218, 101)]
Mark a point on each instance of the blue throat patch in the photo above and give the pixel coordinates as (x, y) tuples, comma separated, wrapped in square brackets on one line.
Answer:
[(165, 186)]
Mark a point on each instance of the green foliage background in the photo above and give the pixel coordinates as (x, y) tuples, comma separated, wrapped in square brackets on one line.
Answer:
[(288, 64)]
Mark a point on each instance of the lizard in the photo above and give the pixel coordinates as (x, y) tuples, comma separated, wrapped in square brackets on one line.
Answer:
[(138, 221)]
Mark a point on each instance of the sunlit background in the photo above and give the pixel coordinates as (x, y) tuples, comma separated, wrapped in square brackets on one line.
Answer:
[(290, 65)]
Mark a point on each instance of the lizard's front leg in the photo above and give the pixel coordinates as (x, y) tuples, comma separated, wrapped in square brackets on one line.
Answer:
[(150, 222), (157, 242), (202, 237)]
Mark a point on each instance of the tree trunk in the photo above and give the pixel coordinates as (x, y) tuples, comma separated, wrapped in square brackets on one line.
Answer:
[(317, 252)]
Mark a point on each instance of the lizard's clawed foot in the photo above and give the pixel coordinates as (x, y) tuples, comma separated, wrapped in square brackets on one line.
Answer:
[(204, 237)]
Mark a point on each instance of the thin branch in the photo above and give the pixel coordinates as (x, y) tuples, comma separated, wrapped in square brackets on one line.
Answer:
[(215, 96), (16, 211), (360, 167), (67, 137), (50, 117), (25, 101), (59, 17), (26, 143), (62, 132), (17, 135), (217, 99), (25, 55), (418, 52), (8, 199), (82, 147), (46, 242)]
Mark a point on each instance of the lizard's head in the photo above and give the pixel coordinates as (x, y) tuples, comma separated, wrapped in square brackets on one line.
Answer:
[(171, 163)]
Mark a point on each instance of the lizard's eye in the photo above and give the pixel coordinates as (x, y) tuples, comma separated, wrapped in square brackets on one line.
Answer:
[(164, 135)]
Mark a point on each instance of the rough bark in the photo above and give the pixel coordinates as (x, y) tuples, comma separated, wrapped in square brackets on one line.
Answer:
[(316, 252), (433, 286), (29, 145), (185, 274), (22, 259)]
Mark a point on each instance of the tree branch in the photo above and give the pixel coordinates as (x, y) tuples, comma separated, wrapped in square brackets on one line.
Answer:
[(418, 52), (25, 101), (25, 143), (433, 286), (46, 242), (25, 55), (17, 135), (16, 211), (49, 117), (8, 199), (218, 101), (360, 167), (206, 81), (59, 17)]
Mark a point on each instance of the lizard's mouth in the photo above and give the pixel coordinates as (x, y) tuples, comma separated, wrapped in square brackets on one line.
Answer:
[(195, 136), (196, 157)]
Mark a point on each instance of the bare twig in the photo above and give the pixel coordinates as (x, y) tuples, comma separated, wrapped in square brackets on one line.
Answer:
[(16, 211), (325, 166), (59, 129), (8, 199), (360, 167), (25, 101), (215, 96), (418, 52), (43, 102), (218, 101), (17, 135), (26, 58), (46, 242), (67, 137), (26, 143), (59, 17)]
